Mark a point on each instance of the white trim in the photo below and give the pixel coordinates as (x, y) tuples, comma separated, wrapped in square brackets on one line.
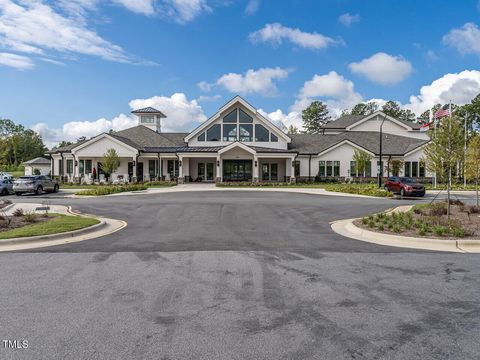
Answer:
[(342, 143), (237, 144), (416, 149), (231, 103), (379, 113), (99, 137)]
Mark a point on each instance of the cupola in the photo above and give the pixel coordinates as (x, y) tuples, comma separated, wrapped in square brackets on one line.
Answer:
[(150, 117)]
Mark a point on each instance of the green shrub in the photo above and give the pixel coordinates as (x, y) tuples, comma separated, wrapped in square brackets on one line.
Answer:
[(30, 217), (396, 228), (440, 230), (371, 224), (159, 183), (364, 221), (112, 189), (421, 232), (380, 227), (459, 232), (18, 212)]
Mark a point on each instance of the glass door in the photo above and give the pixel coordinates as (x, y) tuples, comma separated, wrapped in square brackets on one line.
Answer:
[(201, 171)]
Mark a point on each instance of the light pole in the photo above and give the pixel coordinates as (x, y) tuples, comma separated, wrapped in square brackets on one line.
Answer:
[(380, 173)]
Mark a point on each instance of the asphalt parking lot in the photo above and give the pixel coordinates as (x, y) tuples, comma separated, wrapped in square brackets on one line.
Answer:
[(237, 275)]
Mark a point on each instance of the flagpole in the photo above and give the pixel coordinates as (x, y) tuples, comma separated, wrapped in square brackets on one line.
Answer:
[(465, 152)]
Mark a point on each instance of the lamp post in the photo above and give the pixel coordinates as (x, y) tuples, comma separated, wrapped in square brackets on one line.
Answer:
[(380, 173)]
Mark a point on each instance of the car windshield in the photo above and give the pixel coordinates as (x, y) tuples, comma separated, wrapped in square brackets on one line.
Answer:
[(26, 177), (408, 180)]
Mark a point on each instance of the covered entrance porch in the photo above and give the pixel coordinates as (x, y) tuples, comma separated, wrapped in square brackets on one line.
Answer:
[(236, 162)]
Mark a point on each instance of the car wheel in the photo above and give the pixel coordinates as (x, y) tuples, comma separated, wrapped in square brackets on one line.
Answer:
[(18, 193), (402, 192), (4, 192), (39, 190), (55, 189)]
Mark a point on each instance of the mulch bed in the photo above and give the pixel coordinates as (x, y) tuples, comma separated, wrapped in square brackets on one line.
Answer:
[(462, 215)]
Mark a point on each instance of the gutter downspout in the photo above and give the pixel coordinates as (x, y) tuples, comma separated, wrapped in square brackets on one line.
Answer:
[(159, 170)]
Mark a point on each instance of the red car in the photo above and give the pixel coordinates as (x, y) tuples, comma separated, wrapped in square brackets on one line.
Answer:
[(404, 186)]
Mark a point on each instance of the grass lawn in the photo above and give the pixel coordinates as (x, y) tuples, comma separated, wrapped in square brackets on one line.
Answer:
[(58, 223)]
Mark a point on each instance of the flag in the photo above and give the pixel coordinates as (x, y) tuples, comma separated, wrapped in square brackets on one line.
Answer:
[(425, 127), (441, 113)]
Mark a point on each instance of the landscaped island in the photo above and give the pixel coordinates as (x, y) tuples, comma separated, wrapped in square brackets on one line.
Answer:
[(21, 224), (428, 220), (100, 190)]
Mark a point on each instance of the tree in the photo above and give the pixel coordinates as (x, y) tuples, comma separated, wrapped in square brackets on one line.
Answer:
[(110, 161), (445, 151), (393, 109), (394, 166), (362, 161), (64, 143), (472, 169), (18, 144), (292, 129), (314, 117), (365, 108)]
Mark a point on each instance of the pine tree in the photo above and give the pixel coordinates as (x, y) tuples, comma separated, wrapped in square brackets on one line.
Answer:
[(314, 117)]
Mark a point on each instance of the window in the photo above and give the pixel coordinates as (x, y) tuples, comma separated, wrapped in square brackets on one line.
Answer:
[(231, 117), (243, 117), (229, 132), (273, 137), (88, 166), (246, 132), (329, 168), (172, 168), (261, 133), (407, 172), (379, 167), (81, 167), (60, 167), (213, 133), (147, 119), (421, 172), (321, 168), (414, 168), (152, 168), (69, 166), (336, 168), (201, 137), (353, 168), (368, 169)]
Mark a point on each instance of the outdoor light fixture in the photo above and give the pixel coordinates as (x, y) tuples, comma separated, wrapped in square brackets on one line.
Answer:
[(180, 163), (134, 163), (218, 162), (76, 163), (256, 163)]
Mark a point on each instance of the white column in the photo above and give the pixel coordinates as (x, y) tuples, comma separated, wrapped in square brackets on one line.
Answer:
[(288, 169), (180, 170), (134, 169), (256, 165), (219, 173)]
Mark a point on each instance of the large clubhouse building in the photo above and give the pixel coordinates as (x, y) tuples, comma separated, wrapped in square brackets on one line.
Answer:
[(239, 144)]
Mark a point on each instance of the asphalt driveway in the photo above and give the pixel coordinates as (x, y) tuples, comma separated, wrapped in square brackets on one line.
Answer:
[(237, 275)]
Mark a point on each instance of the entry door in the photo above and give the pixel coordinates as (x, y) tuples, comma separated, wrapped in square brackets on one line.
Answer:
[(201, 171), (139, 171), (270, 172)]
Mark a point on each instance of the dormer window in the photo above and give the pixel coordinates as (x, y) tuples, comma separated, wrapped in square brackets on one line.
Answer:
[(147, 119)]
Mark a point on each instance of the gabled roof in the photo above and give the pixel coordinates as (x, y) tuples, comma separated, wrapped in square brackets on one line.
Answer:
[(38, 161), (370, 141), (346, 122), (232, 102), (149, 110)]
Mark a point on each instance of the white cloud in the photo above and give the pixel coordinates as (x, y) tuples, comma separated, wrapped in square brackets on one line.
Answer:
[(182, 115), (205, 86), (36, 28), (460, 88), (204, 98), (252, 7), (282, 120), (333, 89), (348, 19), (145, 7), (16, 61), (261, 81), (276, 33), (465, 39), (383, 68), (183, 11)]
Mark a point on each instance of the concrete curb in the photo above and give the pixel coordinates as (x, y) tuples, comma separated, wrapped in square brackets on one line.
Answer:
[(348, 229), (7, 208), (106, 226), (174, 189)]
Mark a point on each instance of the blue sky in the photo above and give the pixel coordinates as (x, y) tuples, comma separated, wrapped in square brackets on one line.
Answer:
[(76, 67)]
